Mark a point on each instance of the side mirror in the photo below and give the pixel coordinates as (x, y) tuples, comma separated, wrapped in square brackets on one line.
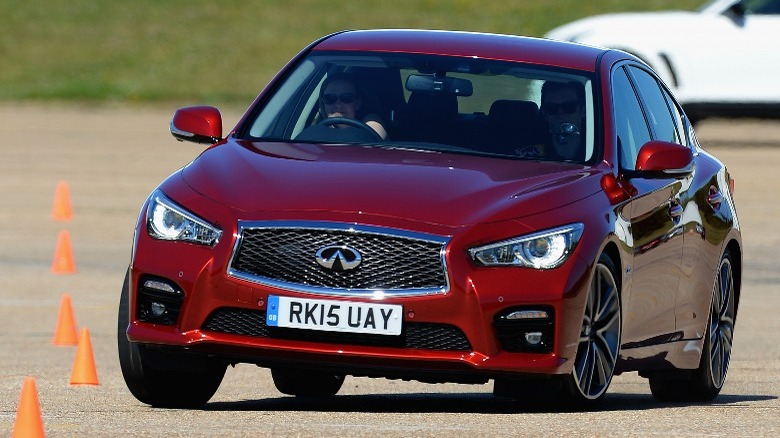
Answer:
[(738, 9), (736, 13), (665, 158), (198, 124)]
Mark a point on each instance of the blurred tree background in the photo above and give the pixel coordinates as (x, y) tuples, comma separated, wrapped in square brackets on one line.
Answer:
[(224, 52)]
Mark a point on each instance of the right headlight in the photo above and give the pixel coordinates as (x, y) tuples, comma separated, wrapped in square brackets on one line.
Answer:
[(165, 220), (543, 250)]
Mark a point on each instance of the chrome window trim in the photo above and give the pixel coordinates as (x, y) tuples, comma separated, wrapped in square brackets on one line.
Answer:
[(344, 227)]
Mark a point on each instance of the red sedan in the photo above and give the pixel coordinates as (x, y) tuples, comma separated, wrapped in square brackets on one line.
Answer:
[(444, 207)]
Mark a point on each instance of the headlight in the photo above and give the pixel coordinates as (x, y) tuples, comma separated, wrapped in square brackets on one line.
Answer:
[(543, 250), (168, 221)]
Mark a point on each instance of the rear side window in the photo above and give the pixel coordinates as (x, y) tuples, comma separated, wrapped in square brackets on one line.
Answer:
[(677, 116)]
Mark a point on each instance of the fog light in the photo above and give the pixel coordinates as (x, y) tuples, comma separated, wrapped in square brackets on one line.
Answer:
[(526, 329), (158, 309), (533, 338), (159, 300)]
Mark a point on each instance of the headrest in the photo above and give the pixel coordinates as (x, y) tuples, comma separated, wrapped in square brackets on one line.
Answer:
[(433, 106), (513, 111)]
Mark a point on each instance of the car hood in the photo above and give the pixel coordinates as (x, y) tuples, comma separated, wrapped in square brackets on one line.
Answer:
[(618, 24), (439, 188)]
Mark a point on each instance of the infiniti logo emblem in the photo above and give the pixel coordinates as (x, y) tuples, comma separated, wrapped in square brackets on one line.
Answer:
[(338, 258)]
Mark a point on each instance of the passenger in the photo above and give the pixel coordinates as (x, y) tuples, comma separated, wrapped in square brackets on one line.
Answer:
[(340, 97), (564, 111)]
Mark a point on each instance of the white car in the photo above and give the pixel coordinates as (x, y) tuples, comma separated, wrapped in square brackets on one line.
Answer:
[(720, 60)]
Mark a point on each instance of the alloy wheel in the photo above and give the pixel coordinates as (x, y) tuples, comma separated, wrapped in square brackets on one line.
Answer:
[(600, 335), (721, 328)]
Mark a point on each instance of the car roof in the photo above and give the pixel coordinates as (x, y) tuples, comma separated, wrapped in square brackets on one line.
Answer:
[(470, 44)]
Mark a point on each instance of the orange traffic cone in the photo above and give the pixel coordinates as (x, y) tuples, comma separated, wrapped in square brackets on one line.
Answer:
[(63, 255), (29, 422), (84, 372), (65, 333), (62, 211)]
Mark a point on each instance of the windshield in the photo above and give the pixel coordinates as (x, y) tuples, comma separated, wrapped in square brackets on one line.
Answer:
[(460, 105)]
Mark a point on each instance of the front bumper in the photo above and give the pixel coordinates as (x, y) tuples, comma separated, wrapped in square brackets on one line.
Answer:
[(454, 334)]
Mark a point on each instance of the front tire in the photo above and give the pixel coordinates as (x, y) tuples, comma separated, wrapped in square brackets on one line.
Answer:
[(161, 379), (597, 353), (705, 382), (599, 343)]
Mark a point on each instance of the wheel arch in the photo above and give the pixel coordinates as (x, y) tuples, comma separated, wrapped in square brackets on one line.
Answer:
[(611, 250)]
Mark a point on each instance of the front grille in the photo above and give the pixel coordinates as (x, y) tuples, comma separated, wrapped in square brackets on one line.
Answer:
[(392, 261), (423, 336)]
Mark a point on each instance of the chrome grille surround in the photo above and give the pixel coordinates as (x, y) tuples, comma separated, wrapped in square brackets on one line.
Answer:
[(395, 262)]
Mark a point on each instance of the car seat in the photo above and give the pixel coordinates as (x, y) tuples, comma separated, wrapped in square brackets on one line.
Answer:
[(429, 117), (513, 124)]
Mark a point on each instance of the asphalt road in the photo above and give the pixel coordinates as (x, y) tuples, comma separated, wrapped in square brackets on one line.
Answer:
[(111, 158)]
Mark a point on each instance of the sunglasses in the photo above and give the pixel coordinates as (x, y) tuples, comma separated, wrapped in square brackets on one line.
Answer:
[(567, 107), (330, 99)]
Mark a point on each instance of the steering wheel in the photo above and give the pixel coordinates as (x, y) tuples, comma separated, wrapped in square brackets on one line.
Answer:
[(351, 122)]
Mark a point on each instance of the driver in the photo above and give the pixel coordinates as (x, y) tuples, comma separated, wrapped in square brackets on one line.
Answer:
[(340, 97)]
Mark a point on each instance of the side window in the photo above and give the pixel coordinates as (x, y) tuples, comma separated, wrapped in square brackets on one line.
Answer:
[(630, 124), (657, 110), (761, 7)]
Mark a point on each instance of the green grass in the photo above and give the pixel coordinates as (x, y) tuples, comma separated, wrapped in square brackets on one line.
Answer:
[(224, 52)]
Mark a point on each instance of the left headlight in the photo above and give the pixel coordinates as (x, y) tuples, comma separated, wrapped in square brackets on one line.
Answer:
[(543, 250), (165, 220)]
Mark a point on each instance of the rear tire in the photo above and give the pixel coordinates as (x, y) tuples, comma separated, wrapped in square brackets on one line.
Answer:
[(705, 382), (162, 379), (306, 383)]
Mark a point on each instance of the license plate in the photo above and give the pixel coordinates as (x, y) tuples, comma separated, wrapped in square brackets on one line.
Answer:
[(334, 316)]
